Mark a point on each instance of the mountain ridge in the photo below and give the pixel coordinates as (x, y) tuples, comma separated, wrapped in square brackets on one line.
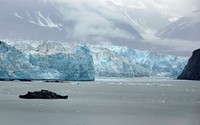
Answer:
[(50, 20), (185, 28)]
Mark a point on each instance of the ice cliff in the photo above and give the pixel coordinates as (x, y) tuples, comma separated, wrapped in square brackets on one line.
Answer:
[(44, 62), (127, 62), (64, 61)]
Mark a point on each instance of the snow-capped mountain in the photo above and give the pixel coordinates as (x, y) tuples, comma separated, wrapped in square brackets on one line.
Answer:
[(146, 21), (63, 60), (31, 19), (185, 28), (68, 21)]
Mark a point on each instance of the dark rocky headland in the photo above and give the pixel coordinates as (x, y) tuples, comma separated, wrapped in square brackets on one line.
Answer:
[(192, 69)]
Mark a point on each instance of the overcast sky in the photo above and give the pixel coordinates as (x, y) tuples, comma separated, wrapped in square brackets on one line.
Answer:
[(170, 7), (173, 7)]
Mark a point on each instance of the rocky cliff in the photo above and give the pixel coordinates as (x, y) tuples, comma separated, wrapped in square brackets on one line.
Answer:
[(192, 69)]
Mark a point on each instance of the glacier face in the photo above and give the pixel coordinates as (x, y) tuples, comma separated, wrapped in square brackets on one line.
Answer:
[(127, 62), (44, 64), (58, 60)]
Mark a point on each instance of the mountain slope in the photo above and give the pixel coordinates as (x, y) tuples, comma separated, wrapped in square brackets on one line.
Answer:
[(192, 69), (142, 18), (30, 20), (51, 20), (185, 28)]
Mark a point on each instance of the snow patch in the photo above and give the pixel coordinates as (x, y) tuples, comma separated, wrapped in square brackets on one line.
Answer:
[(43, 21), (173, 19), (18, 16), (140, 5)]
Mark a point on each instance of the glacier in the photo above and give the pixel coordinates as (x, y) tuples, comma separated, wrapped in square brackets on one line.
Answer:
[(127, 62), (43, 64), (26, 59)]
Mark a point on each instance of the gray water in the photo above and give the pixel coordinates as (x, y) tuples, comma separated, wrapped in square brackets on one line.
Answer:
[(138, 101)]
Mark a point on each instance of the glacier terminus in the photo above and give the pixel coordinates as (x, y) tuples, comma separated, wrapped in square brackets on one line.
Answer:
[(49, 60)]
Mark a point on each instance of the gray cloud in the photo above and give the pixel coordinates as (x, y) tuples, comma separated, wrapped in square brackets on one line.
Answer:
[(175, 46), (102, 19), (170, 7), (105, 21), (97, 19)]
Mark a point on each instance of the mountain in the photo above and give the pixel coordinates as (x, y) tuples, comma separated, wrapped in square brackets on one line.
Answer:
[(192, 69), (144, 20), (106, 61), (30, 19), (44, 64), (185, 28), (68, 21)]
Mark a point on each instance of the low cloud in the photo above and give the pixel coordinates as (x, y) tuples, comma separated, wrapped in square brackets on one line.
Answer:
[(94, 19), (175, 8), (175, 46)]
